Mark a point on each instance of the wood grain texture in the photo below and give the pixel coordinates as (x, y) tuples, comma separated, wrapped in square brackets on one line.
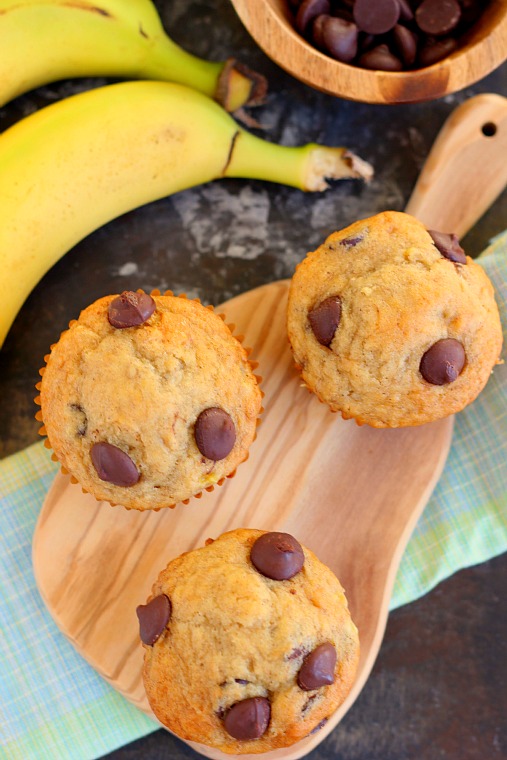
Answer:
[(351, 494), (470, 152), (271, 25)]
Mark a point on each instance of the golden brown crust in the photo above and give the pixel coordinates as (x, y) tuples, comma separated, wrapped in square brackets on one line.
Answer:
[(231, 625), (399, 296), (141, 389)]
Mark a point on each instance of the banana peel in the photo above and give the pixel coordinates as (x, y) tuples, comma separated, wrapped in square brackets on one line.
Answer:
[(46, 40)]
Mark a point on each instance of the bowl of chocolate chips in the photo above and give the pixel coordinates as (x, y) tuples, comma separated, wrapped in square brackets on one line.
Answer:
[(381, 51)]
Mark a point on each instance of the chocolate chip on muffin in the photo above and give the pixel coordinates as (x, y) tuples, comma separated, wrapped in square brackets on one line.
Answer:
[(248, 719), (153, 618), (277, 555), (113, 465), (325, 318), (443, 362), (215, 434), (448, 245), (318, 668), (130, 309)]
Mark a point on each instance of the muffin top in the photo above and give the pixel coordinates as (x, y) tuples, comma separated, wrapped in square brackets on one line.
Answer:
[(148, 400), (392, 324), (249, 644)]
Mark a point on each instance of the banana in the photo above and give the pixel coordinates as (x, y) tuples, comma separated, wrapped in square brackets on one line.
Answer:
[(42, 41), (73, 166)]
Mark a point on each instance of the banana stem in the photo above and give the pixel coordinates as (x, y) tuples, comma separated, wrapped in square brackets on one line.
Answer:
[(191, 71), (230, 83), (306, 167)]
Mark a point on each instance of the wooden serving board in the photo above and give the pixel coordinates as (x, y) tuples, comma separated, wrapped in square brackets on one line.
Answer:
[(351, 494)]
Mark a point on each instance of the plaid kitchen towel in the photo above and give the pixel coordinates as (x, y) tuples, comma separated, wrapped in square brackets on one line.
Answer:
[(53, 706)]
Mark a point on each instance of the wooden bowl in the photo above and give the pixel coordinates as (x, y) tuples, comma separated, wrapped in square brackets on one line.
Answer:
[(484, 47)]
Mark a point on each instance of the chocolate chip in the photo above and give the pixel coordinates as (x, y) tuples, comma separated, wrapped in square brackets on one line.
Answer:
[(438, 17), (130, 309), (343, 13), (406, 12), (448, 245), (308, 705), (443, 362), (318, 30), (277, 555), (380, 58), (366, 42), (308, 11), (319, 726), (153, 618), (351, 241), (325, 318), (406, 43), (297, 652), (214, 433), (82, 426), (470, 11), (376, 17), (318, 668), (340, 38), (113, 465), (248, 719), (435, 50)]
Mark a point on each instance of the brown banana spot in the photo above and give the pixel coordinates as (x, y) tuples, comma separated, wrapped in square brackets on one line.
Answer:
[(92, 8), (231, 151)]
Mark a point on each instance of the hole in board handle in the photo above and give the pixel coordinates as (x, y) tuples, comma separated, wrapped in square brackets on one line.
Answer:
[(489, 129)]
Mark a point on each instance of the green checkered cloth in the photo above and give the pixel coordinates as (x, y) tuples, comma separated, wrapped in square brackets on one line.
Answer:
[(54, 706)]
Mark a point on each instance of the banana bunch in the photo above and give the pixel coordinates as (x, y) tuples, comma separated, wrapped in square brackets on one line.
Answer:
[(75, 165), (42, 41)]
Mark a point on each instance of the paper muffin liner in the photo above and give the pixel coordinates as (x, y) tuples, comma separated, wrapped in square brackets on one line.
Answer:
[(251, 363), (313, 392)]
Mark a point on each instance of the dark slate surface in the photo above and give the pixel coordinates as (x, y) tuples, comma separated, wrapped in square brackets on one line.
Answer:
[(439, 687)]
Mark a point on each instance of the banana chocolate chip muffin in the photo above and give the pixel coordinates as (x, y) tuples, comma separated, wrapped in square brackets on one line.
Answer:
[(392, 324), (148, 400), (249, 644)]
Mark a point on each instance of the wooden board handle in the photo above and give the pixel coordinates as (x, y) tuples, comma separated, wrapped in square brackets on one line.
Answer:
[(470, 152)]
